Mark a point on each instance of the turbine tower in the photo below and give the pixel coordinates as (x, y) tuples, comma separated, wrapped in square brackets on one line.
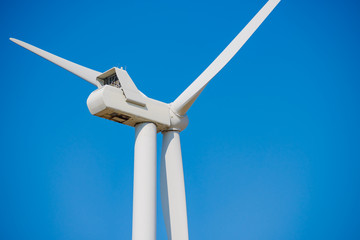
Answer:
[(118, 99)]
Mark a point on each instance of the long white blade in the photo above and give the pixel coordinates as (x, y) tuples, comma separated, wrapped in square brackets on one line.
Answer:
[(80, 71), (172, 187), (187, 98)]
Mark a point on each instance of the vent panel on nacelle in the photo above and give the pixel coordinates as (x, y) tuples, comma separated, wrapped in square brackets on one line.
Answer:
[(112, 80), (119, 78)]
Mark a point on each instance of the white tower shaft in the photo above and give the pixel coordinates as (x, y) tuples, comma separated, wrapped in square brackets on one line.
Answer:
[(172, 187), (144, 198)]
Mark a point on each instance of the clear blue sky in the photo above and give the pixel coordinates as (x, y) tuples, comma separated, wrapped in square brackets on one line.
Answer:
[(272, 150)]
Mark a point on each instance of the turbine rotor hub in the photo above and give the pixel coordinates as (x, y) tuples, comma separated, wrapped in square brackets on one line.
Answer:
[(177, 122)]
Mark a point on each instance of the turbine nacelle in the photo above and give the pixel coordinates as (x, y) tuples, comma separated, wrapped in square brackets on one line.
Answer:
[(119, 100)]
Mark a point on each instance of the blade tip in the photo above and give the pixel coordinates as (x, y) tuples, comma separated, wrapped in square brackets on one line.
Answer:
[(14, 40)]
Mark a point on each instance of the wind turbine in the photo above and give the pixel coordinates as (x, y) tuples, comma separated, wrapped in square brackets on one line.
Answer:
[(118, 99)]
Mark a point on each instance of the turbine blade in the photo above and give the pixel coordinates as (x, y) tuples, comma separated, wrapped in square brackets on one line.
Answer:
[(182, 104), (80, 71), (172, 187)]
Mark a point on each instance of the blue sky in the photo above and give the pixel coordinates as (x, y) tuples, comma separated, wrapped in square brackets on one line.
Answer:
[(272, 150)]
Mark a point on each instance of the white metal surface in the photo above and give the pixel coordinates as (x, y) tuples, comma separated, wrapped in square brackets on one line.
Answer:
[(80, 71), (144, 198), (108, 100), (172, 187), (183, 102), (131, 92)]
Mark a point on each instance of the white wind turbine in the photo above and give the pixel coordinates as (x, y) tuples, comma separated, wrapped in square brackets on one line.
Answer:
[(118, 99)]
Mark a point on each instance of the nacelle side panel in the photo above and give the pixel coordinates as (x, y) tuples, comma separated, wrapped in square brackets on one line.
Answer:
[(110, 103)]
